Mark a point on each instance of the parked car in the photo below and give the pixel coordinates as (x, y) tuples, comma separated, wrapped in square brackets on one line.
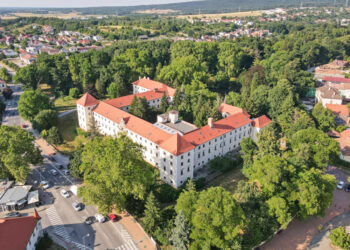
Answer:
[(340, 185), (24, 125), (114, 217), (77, 206), (100, 218), (90, 220), (59, 166), (64, 193), (347, 187), (45, 184), (12, 214), (53, 172), (51, 158), (66, 172)]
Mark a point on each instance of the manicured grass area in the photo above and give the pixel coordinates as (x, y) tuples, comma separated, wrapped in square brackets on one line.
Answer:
[(67, 126), (228, 180), (66, 103)]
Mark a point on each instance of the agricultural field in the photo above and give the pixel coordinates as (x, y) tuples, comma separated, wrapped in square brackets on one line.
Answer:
[(218, 16), (70, 15)]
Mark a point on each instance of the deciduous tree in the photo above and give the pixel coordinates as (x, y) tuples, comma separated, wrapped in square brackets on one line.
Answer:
[(113, 169)]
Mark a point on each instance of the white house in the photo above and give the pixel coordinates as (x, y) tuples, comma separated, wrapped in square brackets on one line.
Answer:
[(328, 95), (176, 147), (20, 233)]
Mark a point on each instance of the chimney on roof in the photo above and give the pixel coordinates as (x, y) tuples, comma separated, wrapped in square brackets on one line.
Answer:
[(173, 116), (210, 122)]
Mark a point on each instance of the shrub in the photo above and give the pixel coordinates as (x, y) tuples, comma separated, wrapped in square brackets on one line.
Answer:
[(340, 238), (74, 92), (45, 119), (52, 136)]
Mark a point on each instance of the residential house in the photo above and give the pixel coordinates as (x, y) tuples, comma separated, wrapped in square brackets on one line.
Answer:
[(20, 233), (328, 95), (341, 112), (344, 144)]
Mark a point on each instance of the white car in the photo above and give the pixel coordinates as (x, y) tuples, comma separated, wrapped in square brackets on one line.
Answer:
[(100, 218), (340, 185), (64, 193), (53, 172), (44, 184), (65, 171)]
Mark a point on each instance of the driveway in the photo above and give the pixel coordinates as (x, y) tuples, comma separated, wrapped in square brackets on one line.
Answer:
[(299, 234)]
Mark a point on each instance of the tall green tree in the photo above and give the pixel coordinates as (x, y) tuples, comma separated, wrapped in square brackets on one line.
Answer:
[(17, 151), (45, 119), (217, 221), (113, 170), (31, 103), (324, 118), (164, 103), (152, 214), (180, 234), (5, 75)]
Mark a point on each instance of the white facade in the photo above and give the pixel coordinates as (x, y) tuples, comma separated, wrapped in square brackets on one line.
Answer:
[(175, 168), (36, 235)]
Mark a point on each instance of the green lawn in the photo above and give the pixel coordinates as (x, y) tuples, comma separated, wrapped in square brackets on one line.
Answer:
[(228, 180), (67, 125), (66, 103)]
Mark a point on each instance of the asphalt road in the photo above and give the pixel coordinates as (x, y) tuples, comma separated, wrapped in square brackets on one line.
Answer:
[(59, 218)]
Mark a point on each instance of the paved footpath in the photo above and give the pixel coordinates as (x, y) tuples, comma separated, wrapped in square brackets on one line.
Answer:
[(321, 241)]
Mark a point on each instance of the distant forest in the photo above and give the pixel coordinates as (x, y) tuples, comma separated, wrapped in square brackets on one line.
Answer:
[(195, 7)]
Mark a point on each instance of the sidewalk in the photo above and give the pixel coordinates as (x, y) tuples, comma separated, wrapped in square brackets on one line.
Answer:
[(321, 240), (137, 233)]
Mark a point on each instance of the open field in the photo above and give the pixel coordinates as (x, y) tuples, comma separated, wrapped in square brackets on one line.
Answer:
[(111, 27), (228, 180), (67, 127), (156, 11), (218, 16), (56, 15), (66, 103)]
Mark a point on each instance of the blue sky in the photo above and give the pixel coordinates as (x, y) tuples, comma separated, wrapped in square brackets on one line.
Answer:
[(81, 3)]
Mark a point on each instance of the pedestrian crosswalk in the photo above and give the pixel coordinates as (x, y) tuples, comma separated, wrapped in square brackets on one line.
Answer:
[(57, 224), (125, 234), (59, 229), (129, 245)]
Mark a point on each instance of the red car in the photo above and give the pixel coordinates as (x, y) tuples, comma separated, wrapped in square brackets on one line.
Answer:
[(114, 217), (24, 126)]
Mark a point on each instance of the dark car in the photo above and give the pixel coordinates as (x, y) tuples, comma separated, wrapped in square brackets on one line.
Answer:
[(347, 187), (114, 217), (52, 158), (12, 214), (90, 220)]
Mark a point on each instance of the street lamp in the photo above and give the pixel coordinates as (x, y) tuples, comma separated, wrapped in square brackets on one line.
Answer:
[(84, 239)]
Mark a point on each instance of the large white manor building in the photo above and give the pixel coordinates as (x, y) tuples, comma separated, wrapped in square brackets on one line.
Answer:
[(176, 147)]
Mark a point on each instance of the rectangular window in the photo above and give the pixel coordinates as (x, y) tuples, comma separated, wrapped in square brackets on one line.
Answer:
[(182, 163), (188, 160), (182, 156), (171, 172), (182, 172), (188, 169)]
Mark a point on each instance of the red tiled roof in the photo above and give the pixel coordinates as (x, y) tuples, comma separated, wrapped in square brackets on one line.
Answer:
[(176, 145), (261, 121), (231, 110), (16, 232), (87, 100), (345, 133), (220, 127), (336, 79), (152, 85), (338, 110), (344, 144), (126, 100), (132, 122)]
